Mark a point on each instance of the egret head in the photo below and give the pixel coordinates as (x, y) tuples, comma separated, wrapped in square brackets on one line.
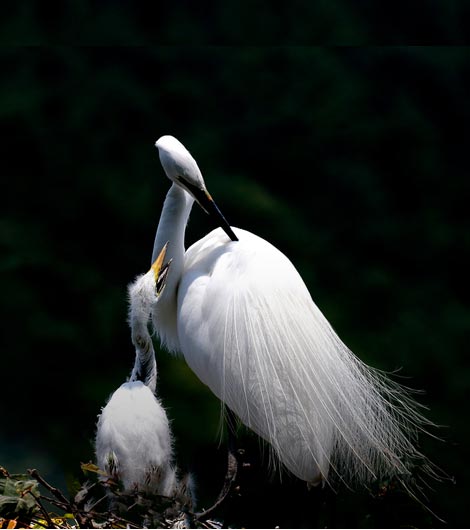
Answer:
[(181, 168)]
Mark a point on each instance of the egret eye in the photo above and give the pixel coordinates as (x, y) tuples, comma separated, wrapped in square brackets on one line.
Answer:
[(206, 202), (162, 278)]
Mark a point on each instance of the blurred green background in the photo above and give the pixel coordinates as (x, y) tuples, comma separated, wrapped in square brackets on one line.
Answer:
[(352, 161)]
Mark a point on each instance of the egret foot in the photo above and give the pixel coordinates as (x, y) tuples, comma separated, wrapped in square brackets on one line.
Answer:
[(232, 466)]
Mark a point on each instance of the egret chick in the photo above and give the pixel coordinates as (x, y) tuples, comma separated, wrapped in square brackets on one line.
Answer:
[(240, 313), (133, 438)]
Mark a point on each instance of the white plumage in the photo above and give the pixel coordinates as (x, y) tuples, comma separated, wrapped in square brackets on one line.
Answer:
[(247, 326), (133, 441), (133, 438)]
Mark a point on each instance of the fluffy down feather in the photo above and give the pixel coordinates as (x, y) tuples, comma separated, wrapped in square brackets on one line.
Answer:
[(133, 440)]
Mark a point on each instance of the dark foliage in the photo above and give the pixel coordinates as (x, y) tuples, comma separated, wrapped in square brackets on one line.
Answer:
[(352, 161)]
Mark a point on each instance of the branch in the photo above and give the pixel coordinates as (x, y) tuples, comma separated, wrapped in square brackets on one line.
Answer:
[(55, 491)]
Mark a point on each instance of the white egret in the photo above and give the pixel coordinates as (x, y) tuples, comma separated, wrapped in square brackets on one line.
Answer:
[(240, 313), (133, 438)]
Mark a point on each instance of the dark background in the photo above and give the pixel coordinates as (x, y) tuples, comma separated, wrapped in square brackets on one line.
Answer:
[(351, 160)]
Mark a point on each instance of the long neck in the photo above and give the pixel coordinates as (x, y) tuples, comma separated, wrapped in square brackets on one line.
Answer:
[(171, 228), (141, 297)]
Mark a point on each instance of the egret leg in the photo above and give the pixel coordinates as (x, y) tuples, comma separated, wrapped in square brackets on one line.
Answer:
[(232, 464)]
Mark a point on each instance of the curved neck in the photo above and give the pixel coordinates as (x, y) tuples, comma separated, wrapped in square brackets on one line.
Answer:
[(141, 297), (171, 229), (145, 366)]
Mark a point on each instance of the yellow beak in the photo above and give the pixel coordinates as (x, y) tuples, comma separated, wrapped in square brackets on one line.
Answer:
[(158, 263), (160, 271)]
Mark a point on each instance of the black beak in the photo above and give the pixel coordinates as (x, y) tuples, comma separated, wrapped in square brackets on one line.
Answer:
[(206, 202)]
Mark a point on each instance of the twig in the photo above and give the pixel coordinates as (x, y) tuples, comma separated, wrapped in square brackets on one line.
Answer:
[(61, 502), (55, 491), (55, 502), (42, 509), (112, 517), (95, 504)]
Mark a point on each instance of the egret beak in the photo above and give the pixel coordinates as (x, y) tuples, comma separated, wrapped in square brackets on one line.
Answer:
[(206, 202), (160, 271)]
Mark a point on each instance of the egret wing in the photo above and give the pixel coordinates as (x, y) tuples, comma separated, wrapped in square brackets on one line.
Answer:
[(250, 330)]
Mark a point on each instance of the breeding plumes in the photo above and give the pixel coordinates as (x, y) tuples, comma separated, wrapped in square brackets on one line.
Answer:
[(133, 438), (241, 315)]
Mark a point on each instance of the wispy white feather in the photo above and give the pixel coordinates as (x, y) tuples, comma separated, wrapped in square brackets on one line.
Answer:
[(276, 361), (247, 326)]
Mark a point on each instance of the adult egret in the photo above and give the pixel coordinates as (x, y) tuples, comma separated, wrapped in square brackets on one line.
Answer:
[(238, 310), (133, 439)]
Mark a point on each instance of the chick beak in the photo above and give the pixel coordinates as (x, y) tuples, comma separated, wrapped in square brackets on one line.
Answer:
[(160, 270)]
